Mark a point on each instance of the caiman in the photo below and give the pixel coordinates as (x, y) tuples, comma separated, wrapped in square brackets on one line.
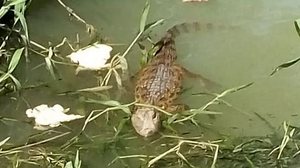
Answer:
[(158, 84)]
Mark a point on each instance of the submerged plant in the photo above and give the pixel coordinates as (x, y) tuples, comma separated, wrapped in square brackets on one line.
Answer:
[(5, 75), (75, 164), (10, 36)]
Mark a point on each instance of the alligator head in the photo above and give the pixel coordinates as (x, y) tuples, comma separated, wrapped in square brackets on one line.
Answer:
[(145, 121)]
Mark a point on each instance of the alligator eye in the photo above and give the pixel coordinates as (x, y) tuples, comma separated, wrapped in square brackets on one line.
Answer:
[(154, 116)]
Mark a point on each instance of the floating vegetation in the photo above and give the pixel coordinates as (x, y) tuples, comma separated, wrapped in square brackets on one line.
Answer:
[(285, 65)]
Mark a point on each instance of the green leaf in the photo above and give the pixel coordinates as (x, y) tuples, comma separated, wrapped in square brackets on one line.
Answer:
[(50, 67), (21, 6), (154, 24), (235, 89), (69, 165), (95, 89), (9, 4), (118, 78), (167, 125), (15, 60), (4, 77), (124, 64), (172, 118), (125, 109), (14, 2), (3, 10), (144, 16), (285, 65), (22, 19), (49, 63), (77, 162), (120, 126), (297, 23), (13, 64), (16, 81), (112, 103), (144, 58), (4, 141)]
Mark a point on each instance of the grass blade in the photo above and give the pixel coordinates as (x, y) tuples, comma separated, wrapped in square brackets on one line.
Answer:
[(4, 77), (154, 24), (112, 103), (3, 10), (22, 19), (15, 60), (77, 162), (297, 23), (118, 78), (16, 81), (49, 64), (69, 165), (144, 16), (121, 126), (50, 67), (285, 65), (95, 89), (4, 141), (6, 7)]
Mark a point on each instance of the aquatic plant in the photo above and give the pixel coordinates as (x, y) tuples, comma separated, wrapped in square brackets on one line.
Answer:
[(60, 147), (18, 8)]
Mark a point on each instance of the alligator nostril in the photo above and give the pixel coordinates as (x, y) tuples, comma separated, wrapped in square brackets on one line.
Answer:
[(148, 132)]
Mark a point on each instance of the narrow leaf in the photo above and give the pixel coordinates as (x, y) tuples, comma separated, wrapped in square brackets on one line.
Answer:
[(144, 16), (285, 65), (112, 103), (4, 77), (69, 165), (77, 162), (22, 19), (16, 81), (50, 67), (124, 64), (3, 10), (49, 63), (4, 141), (118, 78), (125, 109), (297, 23), (7, 6), (154, 24), (121, 126), (15, 60), (144, 52), (95, 89), (232, 90)]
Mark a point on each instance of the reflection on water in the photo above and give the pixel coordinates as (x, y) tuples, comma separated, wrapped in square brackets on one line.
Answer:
[(264, 38)]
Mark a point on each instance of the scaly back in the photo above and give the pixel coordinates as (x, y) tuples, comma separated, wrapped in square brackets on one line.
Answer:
[(167, 51)]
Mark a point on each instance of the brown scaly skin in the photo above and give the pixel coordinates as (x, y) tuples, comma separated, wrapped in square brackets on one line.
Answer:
[(158, 84)]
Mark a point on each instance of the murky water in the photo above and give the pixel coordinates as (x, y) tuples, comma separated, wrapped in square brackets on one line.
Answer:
[(264, 37)]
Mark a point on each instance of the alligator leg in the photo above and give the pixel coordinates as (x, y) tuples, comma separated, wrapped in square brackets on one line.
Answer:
[(205, 82), (178, 108)]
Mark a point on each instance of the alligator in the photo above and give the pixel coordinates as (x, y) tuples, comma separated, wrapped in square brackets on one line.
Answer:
[(158, 84)]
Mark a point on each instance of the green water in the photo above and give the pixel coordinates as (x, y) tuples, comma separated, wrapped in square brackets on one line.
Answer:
[(264, 38)]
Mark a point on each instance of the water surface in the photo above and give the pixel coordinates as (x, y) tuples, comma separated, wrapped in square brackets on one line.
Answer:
[(264, 37)]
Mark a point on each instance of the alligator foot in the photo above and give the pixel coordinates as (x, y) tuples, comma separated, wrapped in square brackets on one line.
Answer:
[(205, 82), (178, 108)]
